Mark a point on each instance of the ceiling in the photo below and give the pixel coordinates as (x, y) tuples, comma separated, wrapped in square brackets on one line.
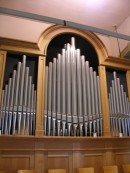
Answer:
[(98, 13)]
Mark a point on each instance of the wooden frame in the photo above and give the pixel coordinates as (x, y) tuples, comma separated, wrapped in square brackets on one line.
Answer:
[(40, 49), (41, 152)]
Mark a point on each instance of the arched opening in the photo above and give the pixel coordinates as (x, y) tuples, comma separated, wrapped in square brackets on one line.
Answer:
[(57, 44), (72, 91)]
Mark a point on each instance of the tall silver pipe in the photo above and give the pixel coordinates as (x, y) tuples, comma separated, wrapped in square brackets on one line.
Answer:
[(125, 123), (58, 94), (116, 92), (123, 100), (28, 104), (89, 97), (93, 93), (84, 88), (79, 92), (92, 118), (68, 88), (21, 90), (34, 111), (124, 109), (11, 101), (25, 100), (46, 102), (21, 87), (96, 104), (31, 111), (73, 43), (113, 129), (116, 110), (99, 101), (16, 98), (110, 111), (63, 90), (49, 98), (68, 80), (4, 108), (120, 98), (54, 97), (117, 98), (7, 106), (74, 91)]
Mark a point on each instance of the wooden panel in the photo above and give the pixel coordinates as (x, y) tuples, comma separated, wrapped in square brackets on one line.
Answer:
[(59, 160), (39, 161), (14, 163), (40, 96), (117, 62), (19, 46), (128, 83), (2, 66), (122, 158), (109, 158), (95, 160), (104, 101)]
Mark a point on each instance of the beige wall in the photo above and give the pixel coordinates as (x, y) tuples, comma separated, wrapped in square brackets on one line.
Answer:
[(111, 43)]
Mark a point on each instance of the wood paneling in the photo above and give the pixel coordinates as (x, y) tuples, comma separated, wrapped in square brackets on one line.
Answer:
[(40, 96), (128, 83), (2, 66), (12, 163), (43, 153), (122, 158), (19, 46), (94, 160), (104, 101)]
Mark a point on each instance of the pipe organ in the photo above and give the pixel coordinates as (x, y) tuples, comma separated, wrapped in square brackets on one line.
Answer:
[(119, 108), (18, 104), (72, 96)]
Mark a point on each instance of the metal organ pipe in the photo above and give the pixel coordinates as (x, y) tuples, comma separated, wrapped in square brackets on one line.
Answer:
[(46, 102), (89, 97), (68, 79), (63, 90), (99, 101), (25, 100), (7, 106), (84, 94), (119, 107), (73, 105), (79, 93), (49, 98), (58, 94), (54, 96), (68, 88), (17, 112)]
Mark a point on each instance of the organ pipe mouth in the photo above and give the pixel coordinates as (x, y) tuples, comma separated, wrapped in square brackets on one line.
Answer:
[(72, 112), (18, 106)]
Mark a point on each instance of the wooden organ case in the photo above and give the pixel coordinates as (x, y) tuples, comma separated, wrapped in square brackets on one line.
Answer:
[(37, 133)]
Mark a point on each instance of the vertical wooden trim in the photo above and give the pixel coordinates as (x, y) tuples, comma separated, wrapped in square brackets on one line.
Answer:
[(2, 67), (104, 101), (40, 96), (128, 83)]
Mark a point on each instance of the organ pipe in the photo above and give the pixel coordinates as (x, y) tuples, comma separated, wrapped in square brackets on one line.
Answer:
[(119, 108), (72, 98), (17, 108)]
